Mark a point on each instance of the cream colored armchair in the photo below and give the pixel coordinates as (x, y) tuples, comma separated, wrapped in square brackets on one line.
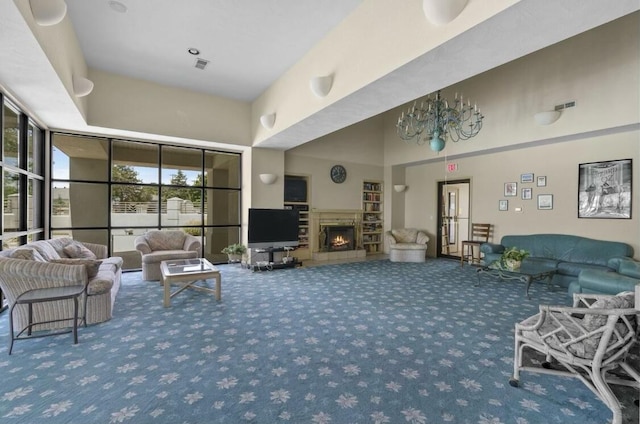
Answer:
[(156, 246), (407, 245)]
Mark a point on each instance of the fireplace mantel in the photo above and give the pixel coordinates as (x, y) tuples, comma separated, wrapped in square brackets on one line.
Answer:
[(320, 218)]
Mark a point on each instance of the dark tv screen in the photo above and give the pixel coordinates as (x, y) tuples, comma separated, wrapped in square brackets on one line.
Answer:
[(295, 189), (269, 228)]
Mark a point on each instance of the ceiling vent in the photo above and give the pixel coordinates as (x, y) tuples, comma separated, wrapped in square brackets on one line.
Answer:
[(565, 105), (201, 63)]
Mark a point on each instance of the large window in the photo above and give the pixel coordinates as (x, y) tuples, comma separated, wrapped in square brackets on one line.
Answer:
[(22, 177), (110, 191)]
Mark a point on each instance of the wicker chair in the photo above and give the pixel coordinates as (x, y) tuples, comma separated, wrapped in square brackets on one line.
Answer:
[(586, 341), (407, 245)]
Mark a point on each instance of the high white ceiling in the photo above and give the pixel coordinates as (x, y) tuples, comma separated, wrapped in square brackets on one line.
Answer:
[(250, 43)]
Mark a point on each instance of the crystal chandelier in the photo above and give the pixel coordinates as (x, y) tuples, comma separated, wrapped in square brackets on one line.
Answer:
[(434, 120)]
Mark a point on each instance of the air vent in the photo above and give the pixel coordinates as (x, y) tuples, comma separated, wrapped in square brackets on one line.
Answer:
[(201, 63), (565, 105)]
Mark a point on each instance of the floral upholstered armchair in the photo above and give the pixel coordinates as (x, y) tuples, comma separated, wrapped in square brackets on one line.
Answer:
[(407, 245), (156, 246)]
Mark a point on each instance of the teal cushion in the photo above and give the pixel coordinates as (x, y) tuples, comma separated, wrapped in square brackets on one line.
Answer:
[(542, 263), (597, 281), (571, 268), (630, 268)]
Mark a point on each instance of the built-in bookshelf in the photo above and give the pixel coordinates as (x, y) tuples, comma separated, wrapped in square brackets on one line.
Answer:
[(296, 197), (372, 217)]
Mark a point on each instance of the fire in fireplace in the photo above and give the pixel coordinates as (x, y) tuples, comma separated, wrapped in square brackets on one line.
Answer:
[(340, 237)]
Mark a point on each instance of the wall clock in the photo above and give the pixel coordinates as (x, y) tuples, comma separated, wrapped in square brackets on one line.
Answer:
[(338, 174)]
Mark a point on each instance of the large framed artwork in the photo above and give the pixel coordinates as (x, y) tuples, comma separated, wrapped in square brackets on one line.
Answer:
[(604, 189)]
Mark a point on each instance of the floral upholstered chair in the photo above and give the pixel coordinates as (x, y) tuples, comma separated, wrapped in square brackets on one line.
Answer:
[(407, 245), (156, 246), (585, 341)]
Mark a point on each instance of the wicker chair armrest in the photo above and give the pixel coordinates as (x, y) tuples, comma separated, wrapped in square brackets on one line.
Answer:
[(100, 250), (141, 245), (192, 242), (590, 311), (586, 299), (422, 238)]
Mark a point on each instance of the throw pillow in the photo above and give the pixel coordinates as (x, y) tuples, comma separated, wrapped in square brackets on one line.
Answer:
[(92, 265), (622, 300), (165, 240), (27, 254), (78, 250)]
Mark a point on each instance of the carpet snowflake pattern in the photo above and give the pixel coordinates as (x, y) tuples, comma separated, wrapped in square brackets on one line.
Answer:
[(370, 342)]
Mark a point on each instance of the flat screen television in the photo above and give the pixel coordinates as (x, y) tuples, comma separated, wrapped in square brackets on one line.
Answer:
[(272, 228), (295, 189)]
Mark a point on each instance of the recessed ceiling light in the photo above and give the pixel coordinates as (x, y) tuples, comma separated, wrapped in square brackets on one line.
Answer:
[(194, 51), (117, 6)]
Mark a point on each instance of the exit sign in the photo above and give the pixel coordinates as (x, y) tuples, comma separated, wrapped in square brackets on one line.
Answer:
[(452, 167)]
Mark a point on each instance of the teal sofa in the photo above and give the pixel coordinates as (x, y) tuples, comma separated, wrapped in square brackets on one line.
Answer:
[(572, 256)]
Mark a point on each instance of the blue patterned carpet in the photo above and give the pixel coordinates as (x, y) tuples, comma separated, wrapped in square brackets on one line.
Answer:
[(371, 342)]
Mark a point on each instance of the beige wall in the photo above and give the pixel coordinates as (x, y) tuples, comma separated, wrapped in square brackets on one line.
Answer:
[(558, 162), (358, 148), (146, 107), (599, 69)]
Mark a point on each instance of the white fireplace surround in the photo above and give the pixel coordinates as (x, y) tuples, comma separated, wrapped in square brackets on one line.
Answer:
[(321, 218)]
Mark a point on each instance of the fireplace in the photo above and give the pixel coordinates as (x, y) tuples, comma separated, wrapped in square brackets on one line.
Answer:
[(340, 238)]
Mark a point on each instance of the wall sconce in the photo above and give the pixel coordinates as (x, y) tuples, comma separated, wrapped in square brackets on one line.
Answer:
[(399, 188), (321, 86), (268, 179), (268, 120), (441, 12), (547, 117), (82, 86), (48, 12)]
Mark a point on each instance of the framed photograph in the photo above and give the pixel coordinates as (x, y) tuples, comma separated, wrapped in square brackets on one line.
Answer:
[(545, 201), (510, 189), (541, 181), (527, 193), (604, 189), (503, 205), (526, 178)]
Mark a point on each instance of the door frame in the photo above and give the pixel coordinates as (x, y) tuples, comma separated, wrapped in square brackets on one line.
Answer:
[(441, 204)]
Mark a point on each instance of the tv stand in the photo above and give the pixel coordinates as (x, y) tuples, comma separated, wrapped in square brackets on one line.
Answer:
[(271, 264)]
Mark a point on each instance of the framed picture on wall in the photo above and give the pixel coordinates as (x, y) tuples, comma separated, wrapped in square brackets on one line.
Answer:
[(541, 181), (503, 205), (526, 193), (545, 201), (604, 189), (510, 189), (526, 178)]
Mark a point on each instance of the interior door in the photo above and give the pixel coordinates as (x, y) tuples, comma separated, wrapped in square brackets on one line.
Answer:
[(453, 220), (451, 193)]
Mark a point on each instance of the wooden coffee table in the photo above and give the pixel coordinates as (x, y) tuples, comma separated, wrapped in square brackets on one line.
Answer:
[(188, 272)]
